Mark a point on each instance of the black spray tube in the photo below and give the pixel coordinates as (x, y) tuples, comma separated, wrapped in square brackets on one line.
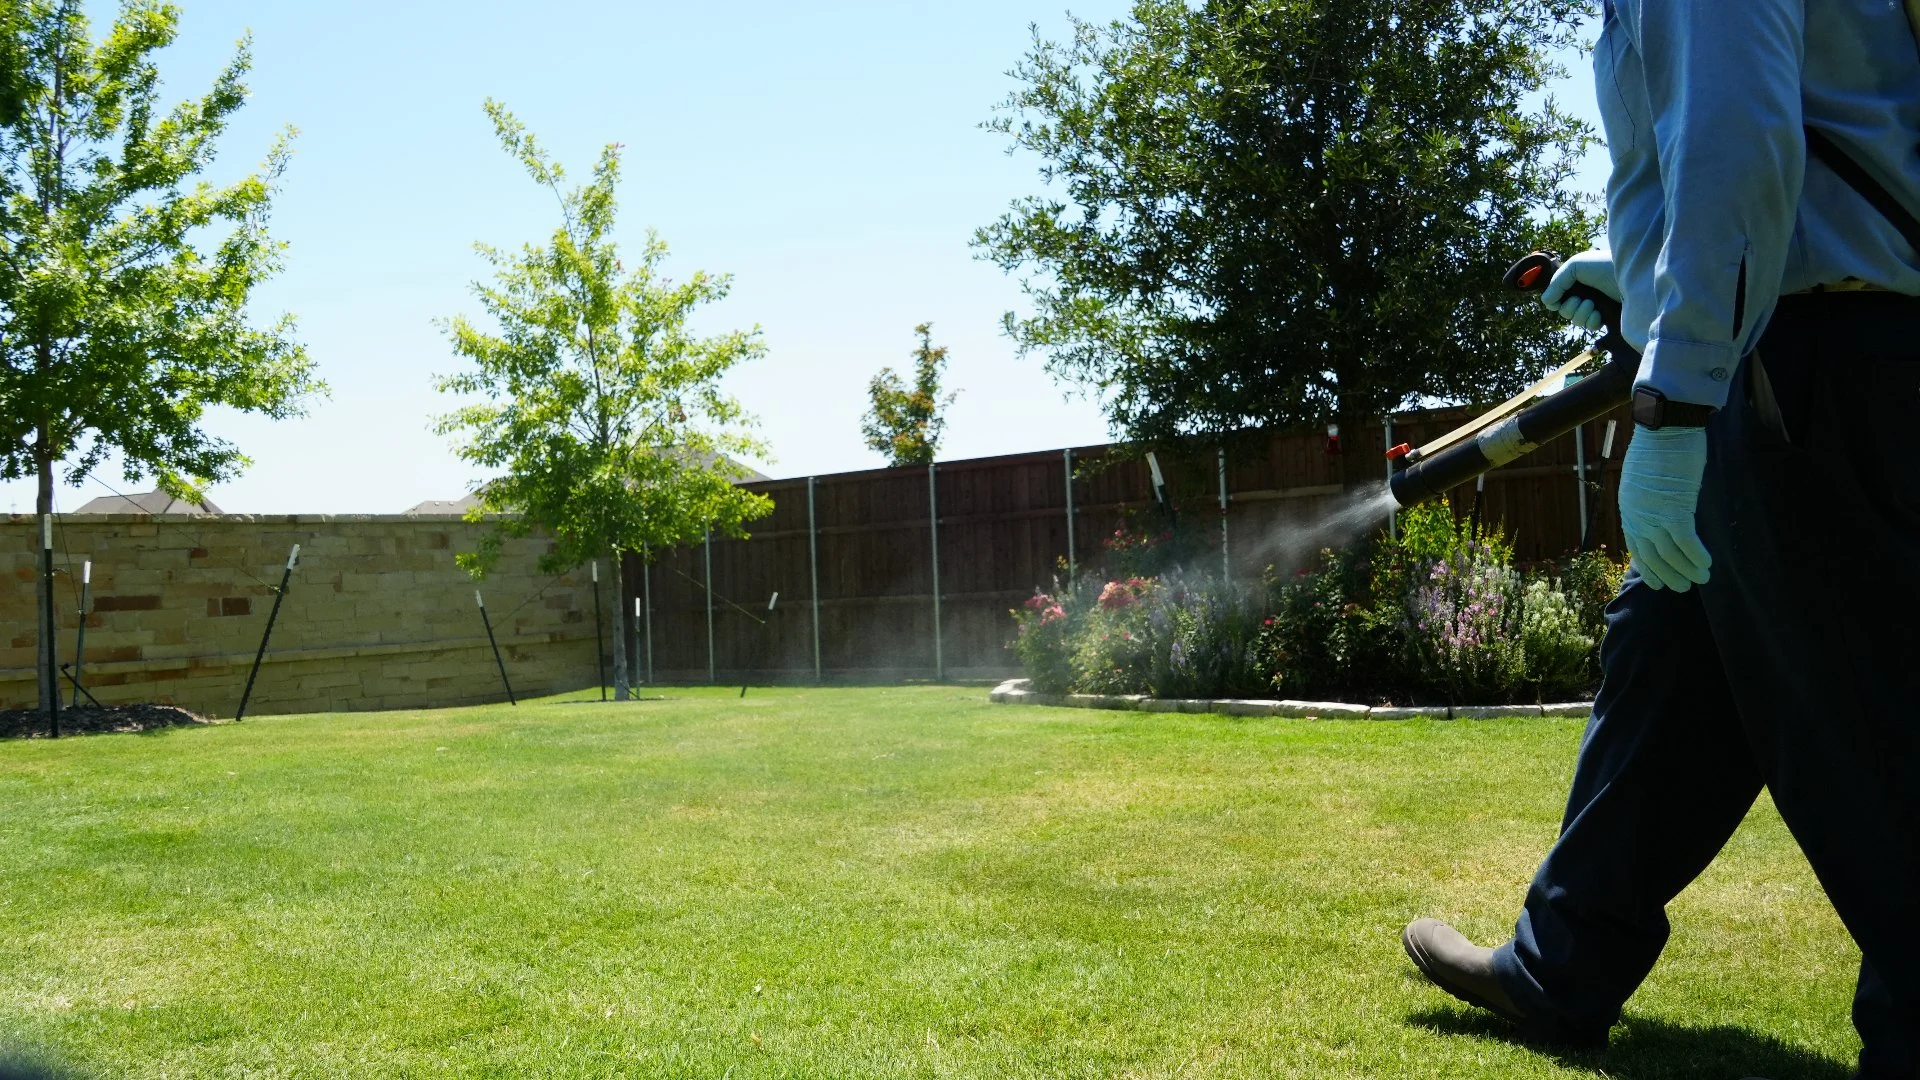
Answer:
[(1515, 436)]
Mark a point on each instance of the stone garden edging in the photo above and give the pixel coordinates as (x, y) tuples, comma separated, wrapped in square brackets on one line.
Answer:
[(1020, 692)]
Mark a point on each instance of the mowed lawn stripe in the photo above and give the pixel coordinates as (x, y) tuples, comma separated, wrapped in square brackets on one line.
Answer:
[(838, 883)]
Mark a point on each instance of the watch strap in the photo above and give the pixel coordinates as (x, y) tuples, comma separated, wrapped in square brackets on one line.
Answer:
[(1653, 411)]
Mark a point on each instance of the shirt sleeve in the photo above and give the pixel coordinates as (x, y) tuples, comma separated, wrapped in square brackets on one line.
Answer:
[(1723, 86)]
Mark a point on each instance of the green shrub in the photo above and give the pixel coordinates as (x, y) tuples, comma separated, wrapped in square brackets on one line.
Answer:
[(1591, 580), (1322, 636), (1558, 649)]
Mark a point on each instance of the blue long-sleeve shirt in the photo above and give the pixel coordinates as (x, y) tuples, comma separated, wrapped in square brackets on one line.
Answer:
[(1714, 208)]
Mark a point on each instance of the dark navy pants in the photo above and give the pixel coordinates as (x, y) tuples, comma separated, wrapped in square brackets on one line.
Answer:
[(1796, 668)]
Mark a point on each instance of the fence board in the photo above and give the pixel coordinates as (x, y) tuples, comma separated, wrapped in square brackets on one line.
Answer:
[(1004, 532)]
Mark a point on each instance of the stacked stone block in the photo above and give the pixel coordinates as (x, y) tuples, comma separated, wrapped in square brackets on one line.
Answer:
[(378, 615)]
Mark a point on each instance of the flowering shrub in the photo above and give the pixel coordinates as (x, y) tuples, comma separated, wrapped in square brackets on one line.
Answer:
[(1463, 623), (1111, 650), (1120, 595), (1207, 639), (1041, 640), (1149, 544), (1173, 636), (1134, 552), (1559, 651), (1437, 614)]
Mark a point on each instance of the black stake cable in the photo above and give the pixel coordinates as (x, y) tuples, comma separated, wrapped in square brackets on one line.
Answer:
[(67, 670), (718, 597), (495, 642), (279, 595), (772, 602), (199, 540)]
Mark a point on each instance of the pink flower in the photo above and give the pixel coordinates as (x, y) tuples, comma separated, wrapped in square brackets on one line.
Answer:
[(1053, 614), (1039, 601), (1116, 596)]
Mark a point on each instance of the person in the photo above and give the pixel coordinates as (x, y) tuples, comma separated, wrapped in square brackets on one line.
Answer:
[(1762, 240)]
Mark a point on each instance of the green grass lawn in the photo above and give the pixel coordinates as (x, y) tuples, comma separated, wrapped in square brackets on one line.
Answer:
[(838, 883)]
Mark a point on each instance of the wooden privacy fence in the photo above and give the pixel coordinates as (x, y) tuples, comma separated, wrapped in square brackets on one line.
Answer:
[(911, 572)]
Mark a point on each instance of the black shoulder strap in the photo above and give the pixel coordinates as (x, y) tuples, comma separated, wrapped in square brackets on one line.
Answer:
[(1830, 154)]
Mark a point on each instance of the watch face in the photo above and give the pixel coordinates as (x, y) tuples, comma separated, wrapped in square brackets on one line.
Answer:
[(1648, 408)]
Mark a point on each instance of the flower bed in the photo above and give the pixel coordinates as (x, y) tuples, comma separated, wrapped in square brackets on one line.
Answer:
[(1439, 616)]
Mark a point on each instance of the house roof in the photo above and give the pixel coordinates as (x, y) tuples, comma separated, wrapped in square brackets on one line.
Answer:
[(747, 475), (153, 502), (444, 507)]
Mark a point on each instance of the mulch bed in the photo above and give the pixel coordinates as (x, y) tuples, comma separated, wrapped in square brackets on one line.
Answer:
[(116, 720)]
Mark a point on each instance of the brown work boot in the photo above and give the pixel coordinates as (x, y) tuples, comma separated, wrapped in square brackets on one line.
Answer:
[(1459, 967), (1465, 970)]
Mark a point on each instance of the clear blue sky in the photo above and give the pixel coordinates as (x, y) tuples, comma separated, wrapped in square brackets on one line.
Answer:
[(828, 156)]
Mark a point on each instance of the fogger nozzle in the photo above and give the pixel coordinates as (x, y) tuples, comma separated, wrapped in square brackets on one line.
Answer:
[(1422, 475)]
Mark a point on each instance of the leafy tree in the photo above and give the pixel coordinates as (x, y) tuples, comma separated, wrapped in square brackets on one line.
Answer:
[(602, 411), (906, 423), (1286, 211), (124, 279)]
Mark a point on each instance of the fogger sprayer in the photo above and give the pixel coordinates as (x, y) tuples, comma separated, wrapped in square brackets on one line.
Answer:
[(1545, 411)]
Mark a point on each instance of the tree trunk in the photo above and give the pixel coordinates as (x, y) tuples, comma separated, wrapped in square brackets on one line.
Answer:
[(43, 504), (620, 681)]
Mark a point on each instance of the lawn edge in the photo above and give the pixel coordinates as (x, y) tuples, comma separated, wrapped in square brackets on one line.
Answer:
[(1021, 692)]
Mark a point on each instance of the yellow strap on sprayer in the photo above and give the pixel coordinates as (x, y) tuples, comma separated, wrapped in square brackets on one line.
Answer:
[(1547, 387)]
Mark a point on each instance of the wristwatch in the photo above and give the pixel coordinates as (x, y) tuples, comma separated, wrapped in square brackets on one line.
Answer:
[(1652, 410)]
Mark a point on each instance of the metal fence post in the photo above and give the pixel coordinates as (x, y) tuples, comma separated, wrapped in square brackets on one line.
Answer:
[(646, 601), (1393, 513), (933, 528), (599, 642), (1580, 471), (49, 626), (813, 571), (713, 670), (1226, 560), (1073, 558)]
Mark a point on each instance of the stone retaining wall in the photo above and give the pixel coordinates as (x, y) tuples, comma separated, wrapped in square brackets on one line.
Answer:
[(377, 617), (1020, 692)]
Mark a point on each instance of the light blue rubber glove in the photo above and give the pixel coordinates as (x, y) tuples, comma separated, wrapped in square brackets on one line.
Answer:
[(1591, 267), (1659, 492)]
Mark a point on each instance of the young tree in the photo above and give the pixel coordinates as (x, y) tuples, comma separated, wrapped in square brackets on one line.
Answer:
[(602, 412), (124, 280), (1287, 211), (906, 423)]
